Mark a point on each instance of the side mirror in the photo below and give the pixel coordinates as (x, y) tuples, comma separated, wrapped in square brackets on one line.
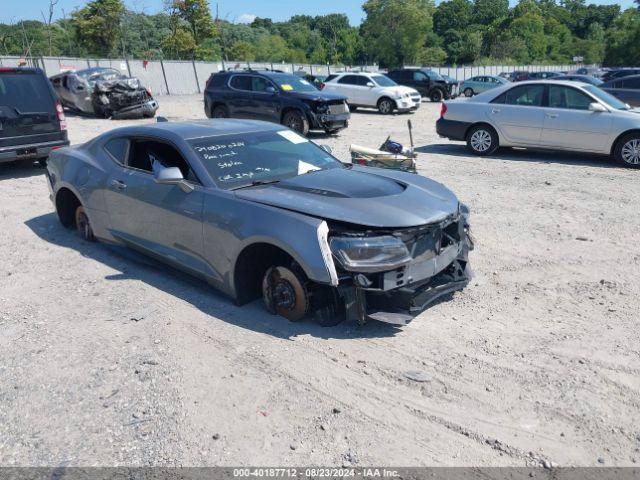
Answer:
[(327, 149), (172, 176), (370, 84), (597, 107), (270, 89)]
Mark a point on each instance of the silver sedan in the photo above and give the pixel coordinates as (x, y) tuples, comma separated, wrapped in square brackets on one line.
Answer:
[(555, 115)]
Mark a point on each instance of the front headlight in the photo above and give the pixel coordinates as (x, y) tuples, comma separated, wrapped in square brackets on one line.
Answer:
[(322, 108), (370, 254)]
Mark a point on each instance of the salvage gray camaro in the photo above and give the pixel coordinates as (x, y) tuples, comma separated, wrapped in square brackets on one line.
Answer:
[(257, 210)]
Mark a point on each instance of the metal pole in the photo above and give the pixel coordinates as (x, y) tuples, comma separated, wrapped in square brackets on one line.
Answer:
[(166, 84), (195, 72)]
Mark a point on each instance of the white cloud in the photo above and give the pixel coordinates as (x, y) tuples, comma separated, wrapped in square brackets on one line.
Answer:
[(246, 18)]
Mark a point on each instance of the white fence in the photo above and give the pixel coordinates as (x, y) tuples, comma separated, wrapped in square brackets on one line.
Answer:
[(175, 77)]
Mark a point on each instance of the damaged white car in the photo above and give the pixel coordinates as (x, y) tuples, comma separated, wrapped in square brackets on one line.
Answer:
[(104, 92)]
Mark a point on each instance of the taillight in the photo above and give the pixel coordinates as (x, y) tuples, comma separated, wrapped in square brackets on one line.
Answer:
[(61, 118), (443, 110), (321, 86), (361, 161), (206, 84)]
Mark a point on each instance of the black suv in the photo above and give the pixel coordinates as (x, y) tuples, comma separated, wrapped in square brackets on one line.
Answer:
[(274, 97), (32, 121), (429, 83)]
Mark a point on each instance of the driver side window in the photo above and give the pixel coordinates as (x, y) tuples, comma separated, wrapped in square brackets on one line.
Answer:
[(150, 155)]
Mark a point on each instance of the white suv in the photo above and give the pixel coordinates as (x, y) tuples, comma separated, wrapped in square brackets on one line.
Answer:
[(373, 90)]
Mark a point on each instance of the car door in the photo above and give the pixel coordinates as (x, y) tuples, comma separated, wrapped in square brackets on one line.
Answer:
[(569, 124), (266, 99), (160, 219), (352, 86), (240, 101), (518, 114), (420, 81)]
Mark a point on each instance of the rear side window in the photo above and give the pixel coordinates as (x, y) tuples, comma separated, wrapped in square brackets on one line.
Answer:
[(352, 80), (217, 81), (241, 82), (329, 78), (525, 95), (26, 92), (118, 148)]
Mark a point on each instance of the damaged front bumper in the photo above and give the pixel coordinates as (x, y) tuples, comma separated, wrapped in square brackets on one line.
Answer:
[(147, 109), (439, 267)]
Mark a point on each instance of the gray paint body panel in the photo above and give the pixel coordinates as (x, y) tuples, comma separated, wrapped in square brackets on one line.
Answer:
[(204, 232)]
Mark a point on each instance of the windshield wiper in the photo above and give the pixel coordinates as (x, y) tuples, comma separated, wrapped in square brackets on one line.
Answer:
[(255, 183)]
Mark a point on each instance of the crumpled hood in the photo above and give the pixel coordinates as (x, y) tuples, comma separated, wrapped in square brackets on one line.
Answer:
[(360, 195)]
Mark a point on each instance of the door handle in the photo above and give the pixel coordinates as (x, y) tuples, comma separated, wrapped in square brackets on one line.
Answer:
[(552, 115), (495, 110), (118, 185)]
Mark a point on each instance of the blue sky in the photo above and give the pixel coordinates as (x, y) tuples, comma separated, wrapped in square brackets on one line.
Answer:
[(236, 10)]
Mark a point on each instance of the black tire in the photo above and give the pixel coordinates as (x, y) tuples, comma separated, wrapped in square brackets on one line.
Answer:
[(627, 151), (220, 111), (296, 121), (482, 140), (436, 95), (386, 106), (468, 92), (83, 225), (43, 161), (352, 108)]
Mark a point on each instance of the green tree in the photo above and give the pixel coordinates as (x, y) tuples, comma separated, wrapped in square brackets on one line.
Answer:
[(271, 48), (452, 15), (486, 12), (463, 46), (395, 31), (197, 16), (97, 26), (243, 51)]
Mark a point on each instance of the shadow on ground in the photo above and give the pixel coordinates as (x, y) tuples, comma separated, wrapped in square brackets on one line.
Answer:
[(518, 155), (132, 265), (20, 169)]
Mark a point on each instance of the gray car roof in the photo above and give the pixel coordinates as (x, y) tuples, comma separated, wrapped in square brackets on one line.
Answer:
[(193, 129)]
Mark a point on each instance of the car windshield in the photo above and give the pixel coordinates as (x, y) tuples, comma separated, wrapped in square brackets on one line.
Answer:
[(383, 81), (606, 97), (291, 83), (236, 161), (434, 75)]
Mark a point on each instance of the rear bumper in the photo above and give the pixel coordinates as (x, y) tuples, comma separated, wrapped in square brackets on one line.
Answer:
[(452, 129), (30, 151)]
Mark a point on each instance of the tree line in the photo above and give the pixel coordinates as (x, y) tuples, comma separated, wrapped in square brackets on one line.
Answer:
[(393, 33)]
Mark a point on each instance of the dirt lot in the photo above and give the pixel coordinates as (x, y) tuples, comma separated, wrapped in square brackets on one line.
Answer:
[(110, 359)]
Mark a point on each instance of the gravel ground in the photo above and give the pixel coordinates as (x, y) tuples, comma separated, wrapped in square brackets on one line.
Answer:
[(111, 359)]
